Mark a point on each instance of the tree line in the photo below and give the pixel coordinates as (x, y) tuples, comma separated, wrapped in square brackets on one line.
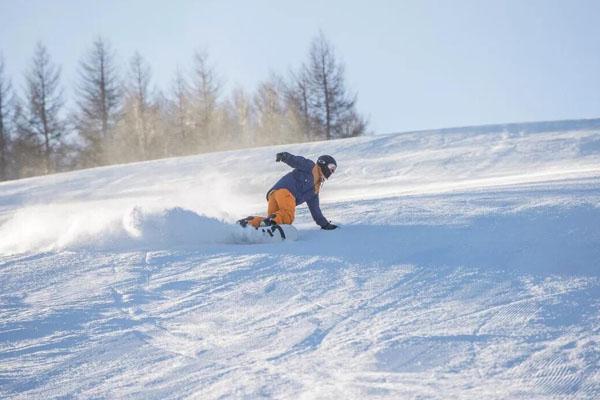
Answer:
[(118, 117)]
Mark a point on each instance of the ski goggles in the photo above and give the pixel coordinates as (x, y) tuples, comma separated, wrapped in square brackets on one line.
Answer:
[(332, 167)]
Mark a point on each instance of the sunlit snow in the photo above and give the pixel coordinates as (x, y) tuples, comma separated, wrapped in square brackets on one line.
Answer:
[(467, 266)]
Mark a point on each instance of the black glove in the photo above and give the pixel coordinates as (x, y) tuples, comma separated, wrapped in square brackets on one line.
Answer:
[(329, 226), (281, 156)]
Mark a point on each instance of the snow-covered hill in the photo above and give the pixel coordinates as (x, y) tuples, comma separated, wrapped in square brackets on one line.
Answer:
[(467, 266)]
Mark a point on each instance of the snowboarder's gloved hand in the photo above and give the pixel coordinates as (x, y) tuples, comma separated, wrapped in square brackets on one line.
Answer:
[(281, 156), (329, 226)]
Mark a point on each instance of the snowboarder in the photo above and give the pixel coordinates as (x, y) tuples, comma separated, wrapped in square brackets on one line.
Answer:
[(301, 185)]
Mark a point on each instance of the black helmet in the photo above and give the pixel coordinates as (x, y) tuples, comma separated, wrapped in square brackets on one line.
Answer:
[(327, 165)]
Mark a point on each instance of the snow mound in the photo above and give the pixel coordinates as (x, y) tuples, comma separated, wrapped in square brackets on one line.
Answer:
[(174, 227), (55, 228)]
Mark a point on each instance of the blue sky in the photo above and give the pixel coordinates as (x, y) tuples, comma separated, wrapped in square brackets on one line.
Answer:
[(415, 64)]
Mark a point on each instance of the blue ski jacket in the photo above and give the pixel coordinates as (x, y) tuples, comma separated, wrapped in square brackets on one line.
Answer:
[(301, 183)]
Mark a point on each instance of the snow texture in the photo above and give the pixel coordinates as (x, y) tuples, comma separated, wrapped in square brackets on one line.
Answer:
[(467, 265)]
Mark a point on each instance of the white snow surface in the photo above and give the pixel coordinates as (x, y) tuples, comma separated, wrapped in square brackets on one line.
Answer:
[(467, 266)]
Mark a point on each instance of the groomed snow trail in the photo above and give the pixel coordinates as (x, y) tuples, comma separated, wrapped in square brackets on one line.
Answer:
[(467, 266)]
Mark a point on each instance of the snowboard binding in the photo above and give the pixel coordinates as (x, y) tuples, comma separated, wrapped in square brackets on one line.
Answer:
[(274, 230), (269, 221), (268, 231), (244, 221)]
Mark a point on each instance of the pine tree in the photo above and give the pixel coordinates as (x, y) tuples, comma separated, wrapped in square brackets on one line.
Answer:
[(99, 101)]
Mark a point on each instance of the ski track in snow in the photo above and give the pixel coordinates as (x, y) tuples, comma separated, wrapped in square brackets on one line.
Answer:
[(467, 266)]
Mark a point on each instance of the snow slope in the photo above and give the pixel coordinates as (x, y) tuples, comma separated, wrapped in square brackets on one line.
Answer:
[(467, 266)]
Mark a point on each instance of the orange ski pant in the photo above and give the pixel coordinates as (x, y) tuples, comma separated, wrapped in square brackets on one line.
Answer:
[(282, 205)]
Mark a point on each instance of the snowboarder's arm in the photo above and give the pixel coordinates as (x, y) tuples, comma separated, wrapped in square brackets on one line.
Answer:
[(293, 161), (315, 211)]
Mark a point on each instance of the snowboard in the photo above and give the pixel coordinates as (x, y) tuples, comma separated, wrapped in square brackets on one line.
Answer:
[(267, 234)]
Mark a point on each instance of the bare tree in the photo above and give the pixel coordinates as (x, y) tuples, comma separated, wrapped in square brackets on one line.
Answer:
[(27, 157), (178, 115), (241, 114), (270, 112), (276, 117), (5, 117), (99, 100), (123, 122), (138, 102), (206, 89), (298, 95), (330, 103), (44, 104)]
